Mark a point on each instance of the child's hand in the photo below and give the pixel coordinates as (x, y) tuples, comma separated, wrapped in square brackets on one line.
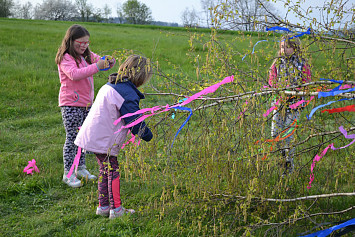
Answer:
[(107, 63), (101, 64)]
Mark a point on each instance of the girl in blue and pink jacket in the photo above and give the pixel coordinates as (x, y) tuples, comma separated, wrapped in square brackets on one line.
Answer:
[(76, 67), (118, 97)]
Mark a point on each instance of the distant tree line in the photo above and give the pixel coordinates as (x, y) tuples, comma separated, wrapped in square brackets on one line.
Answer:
[(131, 12)]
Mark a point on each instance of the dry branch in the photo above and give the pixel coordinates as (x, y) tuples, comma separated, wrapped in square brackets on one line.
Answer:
[(285, 200)]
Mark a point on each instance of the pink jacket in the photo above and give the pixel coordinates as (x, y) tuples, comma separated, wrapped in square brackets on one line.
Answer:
[(77, 84), (97, 134)]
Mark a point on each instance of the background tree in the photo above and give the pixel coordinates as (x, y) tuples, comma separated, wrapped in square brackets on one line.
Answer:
[(85, 9), (5, 8), (207, 8), (120, 14), (107, 12), (95, 16), (246, 15), (55, 10), (135, 12), (189, 18), (26, 11)]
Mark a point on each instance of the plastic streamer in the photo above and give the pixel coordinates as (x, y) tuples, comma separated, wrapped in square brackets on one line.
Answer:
[(271, 109), (278, 28), (75, 163), (295, 105), (318, 157), (323, 233), (31, 167), (132, 140), (288, 132), (321, 106), (254, 48), (349, 108), (334, 92), (187, 119), (159, 109)]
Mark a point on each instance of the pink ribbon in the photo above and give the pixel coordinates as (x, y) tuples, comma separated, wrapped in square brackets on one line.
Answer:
[(133, 138), (295, 105), (242, 113), (207, 90), (271, 109), (159, 109), (318, 157), (31, 167), (346, 86), (75, 163)]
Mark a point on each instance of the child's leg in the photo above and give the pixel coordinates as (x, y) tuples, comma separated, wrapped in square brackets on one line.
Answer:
[(290, 118), (102, 160), (73, 118), (114, 183)]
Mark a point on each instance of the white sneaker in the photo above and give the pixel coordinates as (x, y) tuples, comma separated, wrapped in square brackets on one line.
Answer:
[(84, 173), (103, 211), (120, 211), (72, 181)]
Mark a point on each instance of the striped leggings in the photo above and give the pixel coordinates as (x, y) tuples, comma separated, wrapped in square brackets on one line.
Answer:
[(108, 181)]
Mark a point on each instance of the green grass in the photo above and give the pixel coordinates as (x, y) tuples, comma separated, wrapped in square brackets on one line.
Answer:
[(175, 191)]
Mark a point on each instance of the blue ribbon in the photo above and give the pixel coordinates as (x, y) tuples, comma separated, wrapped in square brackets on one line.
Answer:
[(187, 119), (278, 28), (323, 105), (328, 231), (334, 92), (336, 81), (253, 48), (308, 32)]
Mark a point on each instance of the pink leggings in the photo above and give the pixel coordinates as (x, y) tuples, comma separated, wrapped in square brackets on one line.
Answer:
[(109, 181)]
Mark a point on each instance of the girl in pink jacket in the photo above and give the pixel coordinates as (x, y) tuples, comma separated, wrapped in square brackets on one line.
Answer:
[(288, 69), (76, 67), (118, 97)]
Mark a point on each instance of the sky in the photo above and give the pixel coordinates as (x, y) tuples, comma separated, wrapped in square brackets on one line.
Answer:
[(171, 10)]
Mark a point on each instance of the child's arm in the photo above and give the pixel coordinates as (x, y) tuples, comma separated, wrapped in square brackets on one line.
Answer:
[(307, 73), (272, 75), (69, 67), (141, 128)]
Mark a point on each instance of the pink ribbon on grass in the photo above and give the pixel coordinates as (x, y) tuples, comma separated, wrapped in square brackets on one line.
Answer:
[(331, 146), (31, 167)]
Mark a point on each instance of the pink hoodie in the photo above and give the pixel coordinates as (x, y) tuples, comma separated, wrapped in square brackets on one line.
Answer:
[(77, 84)]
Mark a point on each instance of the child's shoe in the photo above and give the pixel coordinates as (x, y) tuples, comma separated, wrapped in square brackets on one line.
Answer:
[(120, 211), (82, 172), (103, 211), (72, 181)]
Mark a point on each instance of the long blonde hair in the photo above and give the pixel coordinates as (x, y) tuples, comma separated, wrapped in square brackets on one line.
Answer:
[(136, 68)]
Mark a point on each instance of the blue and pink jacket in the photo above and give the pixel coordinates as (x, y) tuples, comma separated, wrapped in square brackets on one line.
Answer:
[(97, 134)]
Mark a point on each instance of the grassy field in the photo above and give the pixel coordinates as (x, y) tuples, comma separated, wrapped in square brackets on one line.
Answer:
[(191, 189)]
